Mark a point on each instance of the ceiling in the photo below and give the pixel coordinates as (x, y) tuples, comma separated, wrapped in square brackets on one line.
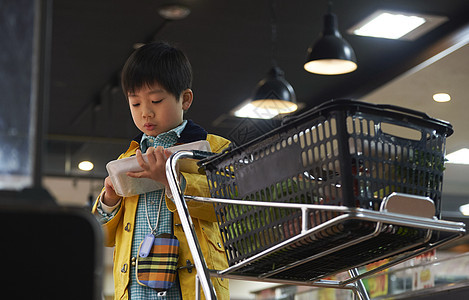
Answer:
[(229, 45)]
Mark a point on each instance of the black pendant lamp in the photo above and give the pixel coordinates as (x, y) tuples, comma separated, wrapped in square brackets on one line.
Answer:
[(330, 54), (274, 93)]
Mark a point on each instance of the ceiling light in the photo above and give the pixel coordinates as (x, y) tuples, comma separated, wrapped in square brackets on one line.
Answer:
[(250, 111), (390, 26), (396, 25), (174, 12), (273, 94), (330, 54), (459, 157), (138, 45), (85, 166), (441, 97), (464, 209)]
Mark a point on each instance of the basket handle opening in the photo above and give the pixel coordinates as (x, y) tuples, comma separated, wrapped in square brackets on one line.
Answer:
[(400, 131)]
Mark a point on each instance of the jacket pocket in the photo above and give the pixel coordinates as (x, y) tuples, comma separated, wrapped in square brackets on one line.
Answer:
[(216, 252)]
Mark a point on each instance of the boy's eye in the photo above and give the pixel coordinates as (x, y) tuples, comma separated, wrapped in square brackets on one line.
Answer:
[(157, 101), (135, 104)]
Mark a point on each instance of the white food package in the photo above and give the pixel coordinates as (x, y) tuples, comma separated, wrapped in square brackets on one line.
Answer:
[(126, 186)]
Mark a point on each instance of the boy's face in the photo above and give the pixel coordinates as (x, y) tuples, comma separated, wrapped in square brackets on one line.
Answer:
[(154, 110)]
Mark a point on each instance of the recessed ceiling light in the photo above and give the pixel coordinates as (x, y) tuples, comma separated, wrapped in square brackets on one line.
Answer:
[(441, 97), (396, 25), (85, 166), (390, 26), (459, 157), (174, 12), (464, 209)]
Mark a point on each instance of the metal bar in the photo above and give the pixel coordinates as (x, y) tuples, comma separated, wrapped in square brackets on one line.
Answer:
[(360, 290), (404, 220), (187, 225), (359, 213), (40, 86), (320, 283), (333, 208), (355, 213), (197, 287), (354, 283)]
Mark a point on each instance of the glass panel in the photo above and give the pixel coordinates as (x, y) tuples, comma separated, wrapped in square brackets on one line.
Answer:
[(16, 74)]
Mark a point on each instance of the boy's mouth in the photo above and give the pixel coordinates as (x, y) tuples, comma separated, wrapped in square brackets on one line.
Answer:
[(149, 126)]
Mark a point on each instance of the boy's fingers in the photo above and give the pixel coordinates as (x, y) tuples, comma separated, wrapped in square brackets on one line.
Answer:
[(142, 163), (140, 158), (139, 174), (167, 152), (152, 156), (108, 183), (160, 154)]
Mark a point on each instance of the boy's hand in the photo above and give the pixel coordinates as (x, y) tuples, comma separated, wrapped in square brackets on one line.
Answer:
[(109, 197), (155, 168)]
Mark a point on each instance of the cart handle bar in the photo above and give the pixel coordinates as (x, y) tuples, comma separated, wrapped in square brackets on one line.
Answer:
[(203, 275)]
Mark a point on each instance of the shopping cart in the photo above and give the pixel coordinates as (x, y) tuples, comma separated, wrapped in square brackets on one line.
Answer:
[(339, 187)]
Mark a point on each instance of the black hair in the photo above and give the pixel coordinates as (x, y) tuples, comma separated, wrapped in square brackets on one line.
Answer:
[(157, 62)]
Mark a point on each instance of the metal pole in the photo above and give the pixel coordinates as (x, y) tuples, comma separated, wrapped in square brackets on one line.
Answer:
[(187, 225), (40, 85), (197, 287), (360, 287)]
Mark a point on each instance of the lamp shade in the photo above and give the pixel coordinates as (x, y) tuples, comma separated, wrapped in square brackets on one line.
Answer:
[(274, 93), (330, 54)]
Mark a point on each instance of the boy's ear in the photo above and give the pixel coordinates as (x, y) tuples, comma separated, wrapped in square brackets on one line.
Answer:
[(187, 97)]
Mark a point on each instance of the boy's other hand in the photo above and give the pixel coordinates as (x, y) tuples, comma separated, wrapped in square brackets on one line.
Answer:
[(109, 197), (155, 168)]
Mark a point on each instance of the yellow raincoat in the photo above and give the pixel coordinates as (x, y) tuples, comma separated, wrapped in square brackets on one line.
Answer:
[(118, 233)]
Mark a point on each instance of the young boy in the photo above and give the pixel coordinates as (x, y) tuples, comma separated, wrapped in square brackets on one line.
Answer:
[(157, 80)]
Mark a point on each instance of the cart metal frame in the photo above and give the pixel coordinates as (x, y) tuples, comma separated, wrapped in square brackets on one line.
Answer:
[(452, 230)]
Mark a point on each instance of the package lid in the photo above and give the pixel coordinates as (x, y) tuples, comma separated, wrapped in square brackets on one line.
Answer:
[(126, 186)]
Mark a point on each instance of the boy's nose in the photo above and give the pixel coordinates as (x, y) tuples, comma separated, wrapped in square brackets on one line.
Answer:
[(148, 112)]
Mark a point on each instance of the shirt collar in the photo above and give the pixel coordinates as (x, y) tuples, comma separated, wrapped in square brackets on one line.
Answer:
[(165, 139)]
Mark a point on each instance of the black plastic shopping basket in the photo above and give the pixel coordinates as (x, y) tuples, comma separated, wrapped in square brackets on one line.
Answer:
[(341, 186), (342, 153)]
